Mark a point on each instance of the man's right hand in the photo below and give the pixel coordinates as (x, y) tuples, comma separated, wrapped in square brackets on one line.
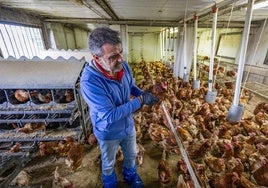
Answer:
[(148, 98)]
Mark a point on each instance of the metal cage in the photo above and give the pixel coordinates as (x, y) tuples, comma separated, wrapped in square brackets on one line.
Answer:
[(44, 92)]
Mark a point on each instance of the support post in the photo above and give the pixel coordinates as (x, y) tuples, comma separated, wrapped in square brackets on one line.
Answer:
[(196, 83), (211, 95), (236, 110)]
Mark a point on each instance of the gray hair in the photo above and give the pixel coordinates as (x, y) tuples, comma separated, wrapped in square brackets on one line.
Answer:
[(101, 36)]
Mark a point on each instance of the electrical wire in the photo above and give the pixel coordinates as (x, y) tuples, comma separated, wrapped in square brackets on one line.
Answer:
[(225, 33), (186, 9)]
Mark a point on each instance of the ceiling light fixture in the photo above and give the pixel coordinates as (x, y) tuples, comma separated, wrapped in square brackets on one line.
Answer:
[(174, 31), (260, 5)]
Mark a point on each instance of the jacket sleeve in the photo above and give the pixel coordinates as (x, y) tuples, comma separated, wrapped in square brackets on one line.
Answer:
[(135, 90), (97, 98)]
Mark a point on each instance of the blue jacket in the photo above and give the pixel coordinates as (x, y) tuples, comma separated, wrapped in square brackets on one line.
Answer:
[(109, 102)]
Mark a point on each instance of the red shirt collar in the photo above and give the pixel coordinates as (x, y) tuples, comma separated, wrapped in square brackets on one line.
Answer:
[(118, 76)]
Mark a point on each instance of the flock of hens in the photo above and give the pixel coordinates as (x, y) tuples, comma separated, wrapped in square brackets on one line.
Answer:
[(41, 96), (69, 148), (222, 154)]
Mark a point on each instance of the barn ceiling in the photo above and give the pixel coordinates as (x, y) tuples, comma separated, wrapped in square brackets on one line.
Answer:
[(157, 13)]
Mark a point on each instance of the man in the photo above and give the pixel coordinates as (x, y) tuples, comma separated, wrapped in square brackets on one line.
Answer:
[(107, 85)]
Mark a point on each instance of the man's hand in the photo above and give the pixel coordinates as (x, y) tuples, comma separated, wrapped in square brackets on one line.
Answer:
[(148, 98)]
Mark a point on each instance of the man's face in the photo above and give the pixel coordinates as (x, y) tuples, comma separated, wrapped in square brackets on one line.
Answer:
[(112, 57)]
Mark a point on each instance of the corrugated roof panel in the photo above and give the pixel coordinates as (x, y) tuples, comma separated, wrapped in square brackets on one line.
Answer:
[(39, 75)]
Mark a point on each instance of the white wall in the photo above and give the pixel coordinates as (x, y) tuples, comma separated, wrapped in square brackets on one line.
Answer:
[(146, 46), (135, 48), (151, 47), (256, 50), (204, 43)]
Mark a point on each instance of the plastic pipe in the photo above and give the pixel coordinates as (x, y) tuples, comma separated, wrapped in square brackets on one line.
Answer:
[(161, 45), (195, 44), (184, 49), (243, 51), (213, 38), (236, 111)]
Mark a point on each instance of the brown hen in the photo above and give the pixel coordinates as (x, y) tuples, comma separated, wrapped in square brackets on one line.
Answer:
[(227, 180), (43, 96), (21, 95), (235, 165), (75, 155), (15, 148), (32, 127), (261, 107), (182, 167), (140, 154), (164, 170), (198, 150), (69, 95), (22, 179), (244, 182), (261, 175), (48, 148), (61, 182), (215, 164), (64, 146), (92, 140), (181, 183)]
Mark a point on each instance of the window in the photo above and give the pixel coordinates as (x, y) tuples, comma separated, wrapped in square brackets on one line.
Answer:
[(20, 41), (228, 45)]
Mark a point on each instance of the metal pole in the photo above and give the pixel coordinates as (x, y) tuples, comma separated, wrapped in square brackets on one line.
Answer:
[(243, 52), (184, 48), (211, 95), (165, 46), (123, 30), (213, 38), (168, 53), (195, 45), (196, 83), (185, 75), (236, 110), (161, 45)]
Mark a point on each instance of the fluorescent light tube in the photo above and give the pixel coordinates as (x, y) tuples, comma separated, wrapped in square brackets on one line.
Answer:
[(260, 5)]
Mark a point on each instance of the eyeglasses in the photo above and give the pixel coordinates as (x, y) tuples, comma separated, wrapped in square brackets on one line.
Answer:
[(116, 56)]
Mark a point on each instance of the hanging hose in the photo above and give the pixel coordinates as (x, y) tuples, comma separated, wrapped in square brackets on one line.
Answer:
[(184, 44), (196, 83), (184, 49), (195, 44), (236, 111), (168, 56), (225, 33), (211, 95), (213, 38), (243, 52)]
